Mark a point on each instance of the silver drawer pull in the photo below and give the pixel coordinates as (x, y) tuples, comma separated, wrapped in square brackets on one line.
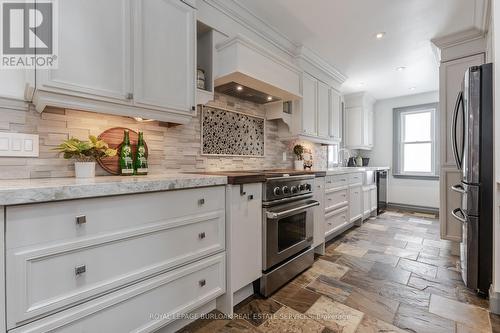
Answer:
[(81, 219), (344, 195), (79, 270), (202, 283), (343, 180), (329, 182), (201, 202), (201, 235)]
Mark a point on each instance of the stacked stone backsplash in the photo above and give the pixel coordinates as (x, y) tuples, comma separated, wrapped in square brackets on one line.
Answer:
[(172, 149)]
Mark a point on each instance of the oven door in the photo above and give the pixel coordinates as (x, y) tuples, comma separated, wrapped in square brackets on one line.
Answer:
[(288, 229)]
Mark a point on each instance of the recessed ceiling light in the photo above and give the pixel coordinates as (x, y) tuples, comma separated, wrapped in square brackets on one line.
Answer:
[(413, 88), (380, 35), (239, 88), (269, 98), (400, 69)]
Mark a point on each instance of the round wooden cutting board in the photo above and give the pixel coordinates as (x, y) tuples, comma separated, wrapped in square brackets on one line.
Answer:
[(114, 138)]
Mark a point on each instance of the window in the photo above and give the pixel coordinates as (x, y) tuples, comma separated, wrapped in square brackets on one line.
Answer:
[(415, 143)]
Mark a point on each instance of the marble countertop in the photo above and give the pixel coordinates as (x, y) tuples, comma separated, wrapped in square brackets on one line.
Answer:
[(24, 191), (344, 170)]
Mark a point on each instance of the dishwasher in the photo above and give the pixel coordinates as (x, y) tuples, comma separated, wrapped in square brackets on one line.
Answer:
[(381, 191)]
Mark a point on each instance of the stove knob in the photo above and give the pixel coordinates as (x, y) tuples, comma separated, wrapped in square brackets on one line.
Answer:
[(277, 191), (295, 189), (302, 187), (308, 187), (285, 190)]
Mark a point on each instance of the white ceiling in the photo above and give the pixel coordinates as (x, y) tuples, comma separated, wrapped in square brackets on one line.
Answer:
[(342, 33)]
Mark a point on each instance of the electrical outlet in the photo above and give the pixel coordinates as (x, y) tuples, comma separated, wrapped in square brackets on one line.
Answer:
[(284, 156), (18, 145)]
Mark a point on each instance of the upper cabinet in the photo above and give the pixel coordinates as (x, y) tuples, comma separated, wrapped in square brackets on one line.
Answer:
[(309, 105), (336, 118), (131, 58), (359, 121)]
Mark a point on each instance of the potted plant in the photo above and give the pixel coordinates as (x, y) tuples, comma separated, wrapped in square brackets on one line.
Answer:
[(85, 154), (298, 150)]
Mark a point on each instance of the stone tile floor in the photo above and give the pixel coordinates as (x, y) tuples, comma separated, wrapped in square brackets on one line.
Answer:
[(393, 274)]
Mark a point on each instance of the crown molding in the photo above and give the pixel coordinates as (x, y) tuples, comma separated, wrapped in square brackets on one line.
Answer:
[(242, 15), (458, 38), (306, 54), (482, 15), (237, 11)]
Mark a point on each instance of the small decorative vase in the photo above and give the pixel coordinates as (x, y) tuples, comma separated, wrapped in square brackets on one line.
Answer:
[(299, 165), (84, 169)]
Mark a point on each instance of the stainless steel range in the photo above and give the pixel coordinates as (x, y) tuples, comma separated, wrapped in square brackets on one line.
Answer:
[(287, 207)]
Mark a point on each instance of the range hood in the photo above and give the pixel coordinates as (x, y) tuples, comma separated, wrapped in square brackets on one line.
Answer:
[(248, 71)]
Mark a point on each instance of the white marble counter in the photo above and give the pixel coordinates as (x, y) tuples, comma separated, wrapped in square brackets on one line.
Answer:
[(344, 170), (23, 191)]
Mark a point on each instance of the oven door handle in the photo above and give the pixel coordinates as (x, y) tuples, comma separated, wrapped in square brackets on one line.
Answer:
[(274, 215)]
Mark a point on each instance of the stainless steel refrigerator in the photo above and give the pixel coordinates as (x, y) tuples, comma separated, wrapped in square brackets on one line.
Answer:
[(473, 149)]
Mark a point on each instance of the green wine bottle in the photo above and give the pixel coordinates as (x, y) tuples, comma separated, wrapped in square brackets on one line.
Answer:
[(141, 162), (126, 162)]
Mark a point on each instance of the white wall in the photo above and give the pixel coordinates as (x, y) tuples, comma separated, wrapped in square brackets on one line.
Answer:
[(402, 191)]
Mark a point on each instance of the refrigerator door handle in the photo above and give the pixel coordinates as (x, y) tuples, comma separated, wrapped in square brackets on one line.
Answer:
[(460, 218), (458, 159), (458, 188)]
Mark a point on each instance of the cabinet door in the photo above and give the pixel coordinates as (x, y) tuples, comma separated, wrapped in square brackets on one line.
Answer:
[(309, 104), (451, 75), (368, 128), (323, 110), (94, 50), (164, 55), (354, 127), (451, 228), (319, 211), (245, 234), (335, 115), (355, 203)]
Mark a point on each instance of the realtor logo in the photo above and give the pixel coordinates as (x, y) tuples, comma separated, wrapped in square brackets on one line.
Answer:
[(28, 33)]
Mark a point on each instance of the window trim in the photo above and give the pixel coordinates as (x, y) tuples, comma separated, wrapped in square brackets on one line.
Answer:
[(398, 144)]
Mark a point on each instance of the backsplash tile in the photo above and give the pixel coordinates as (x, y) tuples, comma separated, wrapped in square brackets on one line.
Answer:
[(172, 149)]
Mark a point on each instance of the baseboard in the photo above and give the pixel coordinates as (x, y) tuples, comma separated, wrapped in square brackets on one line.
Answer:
[(494, 301), (413, 208)]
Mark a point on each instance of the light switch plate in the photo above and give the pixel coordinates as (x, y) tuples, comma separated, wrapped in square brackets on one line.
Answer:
[(18, 145)]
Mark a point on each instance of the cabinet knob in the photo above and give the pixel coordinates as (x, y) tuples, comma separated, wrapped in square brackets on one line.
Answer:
[(79, 270), (250, 197), (193, 108), (202, 283), (201, 202), (81, 219), (201, 235), (130, 96)]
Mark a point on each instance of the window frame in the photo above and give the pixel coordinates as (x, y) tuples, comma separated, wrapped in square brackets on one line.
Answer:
[(398, 141)]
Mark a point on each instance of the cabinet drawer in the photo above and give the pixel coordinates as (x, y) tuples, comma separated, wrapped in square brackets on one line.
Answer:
[(45, 278), (355, 178), (142, 307), (335, 199), (48, 222), (335, 220), (336, 181)]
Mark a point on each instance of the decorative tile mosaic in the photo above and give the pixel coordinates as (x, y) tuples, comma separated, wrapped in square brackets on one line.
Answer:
[(230, 133)]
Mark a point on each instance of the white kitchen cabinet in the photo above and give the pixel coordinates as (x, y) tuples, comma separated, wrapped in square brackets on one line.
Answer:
[(123, 57), (366, 202), (309, 104), (94, 51), (164, 55), (159, 252), (335, 115), (359, 121), (13, 83), (323, 110), (244, 240), (355, 203), (319, 214)]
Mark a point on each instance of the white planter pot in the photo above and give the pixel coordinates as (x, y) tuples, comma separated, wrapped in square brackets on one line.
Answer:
[(84, 169), (299, 165)]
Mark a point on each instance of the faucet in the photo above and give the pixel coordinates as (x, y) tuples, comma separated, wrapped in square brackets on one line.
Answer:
[(343, 162)]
